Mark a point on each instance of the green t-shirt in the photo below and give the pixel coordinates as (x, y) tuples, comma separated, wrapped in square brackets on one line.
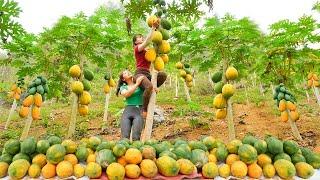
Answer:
[(135, 98)]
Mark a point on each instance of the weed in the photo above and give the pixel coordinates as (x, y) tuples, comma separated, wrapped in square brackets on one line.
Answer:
[(194, 123)]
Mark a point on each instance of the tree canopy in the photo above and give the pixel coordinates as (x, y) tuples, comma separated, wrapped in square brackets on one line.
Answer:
[(104, 40)]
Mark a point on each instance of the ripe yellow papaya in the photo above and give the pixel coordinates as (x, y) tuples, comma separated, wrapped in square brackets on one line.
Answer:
[(291, 106), (150, 55), (35, 113), (284, 116), (294, 115), (28, 101), (37, 100), (282, 105), (24, 111)]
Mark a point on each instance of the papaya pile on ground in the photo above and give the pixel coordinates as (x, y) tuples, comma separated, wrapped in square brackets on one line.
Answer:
[(90, 157), (36, 96), (185, 73), (81, 87), (313, 80), (286, 104), (223, 91)]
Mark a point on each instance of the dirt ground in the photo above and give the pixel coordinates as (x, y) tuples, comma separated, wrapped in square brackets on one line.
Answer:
[(247, 119)]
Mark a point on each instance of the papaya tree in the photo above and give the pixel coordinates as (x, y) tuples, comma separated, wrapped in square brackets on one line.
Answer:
[(286, 103), (184, 17), (178, 13), (10, 29), (180, 55), (185, 57), (22, 50), (164, 11), (225, 42), (115, 49)]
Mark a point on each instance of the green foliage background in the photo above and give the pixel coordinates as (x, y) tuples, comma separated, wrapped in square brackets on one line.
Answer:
[(283, 55)]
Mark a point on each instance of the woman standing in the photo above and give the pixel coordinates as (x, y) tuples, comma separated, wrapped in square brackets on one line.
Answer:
[(131, 118)]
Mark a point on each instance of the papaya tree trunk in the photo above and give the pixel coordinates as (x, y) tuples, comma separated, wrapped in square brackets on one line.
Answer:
[(294, 129), (316, 94), (194, 81), (2, 72), (6, 73), (105, 115), (246, 91), (261, 89), (231, 129), (74, 112), (13, 107), (272, 89), (255, 79), (186, 90), (107, 100), (308, 96), (75, 106), (170, 82), (151, 107), (177, 86), (27, 126)]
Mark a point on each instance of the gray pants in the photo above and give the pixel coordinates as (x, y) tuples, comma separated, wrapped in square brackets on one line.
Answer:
[(131, 119)]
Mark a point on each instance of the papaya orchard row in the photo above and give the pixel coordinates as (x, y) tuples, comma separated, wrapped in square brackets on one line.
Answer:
[(89, 157)]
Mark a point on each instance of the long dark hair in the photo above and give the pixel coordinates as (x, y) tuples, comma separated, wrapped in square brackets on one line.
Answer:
[(135, 38), (121, 82)]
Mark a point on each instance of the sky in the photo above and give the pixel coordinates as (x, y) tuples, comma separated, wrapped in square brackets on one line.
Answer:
[(37, 14)]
